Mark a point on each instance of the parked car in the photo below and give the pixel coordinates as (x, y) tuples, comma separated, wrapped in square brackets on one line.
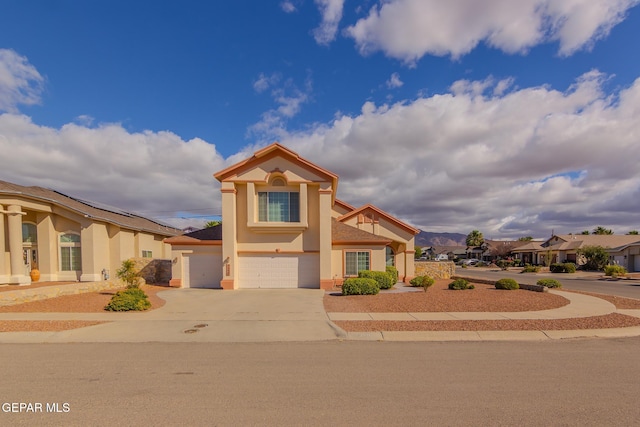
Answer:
[(441, 257), (470, 261)]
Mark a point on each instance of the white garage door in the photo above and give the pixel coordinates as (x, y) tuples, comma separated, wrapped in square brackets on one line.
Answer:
[(279, 271), (202, 271)]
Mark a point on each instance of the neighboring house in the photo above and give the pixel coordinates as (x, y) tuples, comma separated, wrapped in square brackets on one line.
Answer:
[(68, 239), (627, 255), (492, 250), (530, 252), (282, 227), (564, 247), (452, 252)]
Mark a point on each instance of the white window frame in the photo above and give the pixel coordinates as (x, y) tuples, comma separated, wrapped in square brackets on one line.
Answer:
[(359, 268), (72, 258)]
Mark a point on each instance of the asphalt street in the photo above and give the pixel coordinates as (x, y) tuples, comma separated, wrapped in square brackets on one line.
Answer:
[(572, 383)]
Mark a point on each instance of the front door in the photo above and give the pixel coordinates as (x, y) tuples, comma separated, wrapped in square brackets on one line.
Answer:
[(30, 258)]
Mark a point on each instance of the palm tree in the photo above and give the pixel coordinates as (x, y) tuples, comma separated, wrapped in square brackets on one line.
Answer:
[(210, 224), (475, 238), (602, 230)]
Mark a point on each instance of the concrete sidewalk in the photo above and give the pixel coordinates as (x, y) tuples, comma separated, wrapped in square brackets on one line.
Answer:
[(276, 315)]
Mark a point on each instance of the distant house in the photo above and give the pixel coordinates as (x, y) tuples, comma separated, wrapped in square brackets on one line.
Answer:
[(283, 227), (69, 239), (564, 248)]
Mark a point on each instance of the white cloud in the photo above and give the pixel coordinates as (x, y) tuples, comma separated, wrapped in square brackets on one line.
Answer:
[(264, 82), (409, 29), (144, 172), (512, 163), (289, 99), (331, 11), (288, 6), (394, 81), (20, 82)]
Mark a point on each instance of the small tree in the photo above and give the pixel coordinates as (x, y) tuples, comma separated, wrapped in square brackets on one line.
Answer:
[(596, 257), (585, 232), (418, 252), (633, 233), (128, 274), (525, 239), (475, 238), (210, 224)]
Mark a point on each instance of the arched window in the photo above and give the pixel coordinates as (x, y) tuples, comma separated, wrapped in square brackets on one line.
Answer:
[(29, 233), (70, 252)]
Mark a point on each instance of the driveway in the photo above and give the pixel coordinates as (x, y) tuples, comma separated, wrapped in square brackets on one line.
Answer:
[(201, 315)]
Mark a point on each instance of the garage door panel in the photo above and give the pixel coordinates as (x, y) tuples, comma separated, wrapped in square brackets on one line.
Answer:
[(203, 271), (278, 271)]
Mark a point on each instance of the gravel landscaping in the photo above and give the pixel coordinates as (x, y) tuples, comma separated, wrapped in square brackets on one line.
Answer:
[(92, 302), (484, 298)]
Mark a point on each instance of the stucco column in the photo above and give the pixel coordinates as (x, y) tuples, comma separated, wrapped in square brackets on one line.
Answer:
[(47, 247), (4, 273), (326, 282), (16, 260), (94, 244), (229, 236)]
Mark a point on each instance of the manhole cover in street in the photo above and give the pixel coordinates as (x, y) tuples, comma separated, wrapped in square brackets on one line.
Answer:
[(190, 331), (201, 325)]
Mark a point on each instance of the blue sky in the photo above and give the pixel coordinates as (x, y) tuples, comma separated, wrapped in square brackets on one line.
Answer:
[(513, 118)]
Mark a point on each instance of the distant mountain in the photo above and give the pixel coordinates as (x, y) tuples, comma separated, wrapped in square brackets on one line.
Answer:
[(427, 238)]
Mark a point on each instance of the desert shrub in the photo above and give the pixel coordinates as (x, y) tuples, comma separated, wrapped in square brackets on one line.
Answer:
[(530, 269), (384, 279), (508, 284), (128, 274), (504, 264), (360, 286), (549, 283), (129, 299), (459, 285), (481, 264), (615, 270), (567, 267), (422, 281), (393, 272), (596, 257)]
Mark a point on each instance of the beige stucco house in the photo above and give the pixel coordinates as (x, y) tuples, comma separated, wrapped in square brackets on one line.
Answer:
[(623, 249), (283, 227), (68, 239)]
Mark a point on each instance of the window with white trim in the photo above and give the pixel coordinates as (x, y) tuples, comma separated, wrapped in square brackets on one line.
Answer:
[(355, 261), (278, 206), (147, 254), (70, 252)]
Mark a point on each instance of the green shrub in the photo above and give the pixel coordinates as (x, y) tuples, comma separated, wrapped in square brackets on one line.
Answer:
[(459, 285), (508, 284), (393, 272), (384, 279), (128, 274), (128, 300), (549, 283), (481, 264), (615, 270), (422, 281), (360, 286), (530, 269), (567, 267), (504, 264)]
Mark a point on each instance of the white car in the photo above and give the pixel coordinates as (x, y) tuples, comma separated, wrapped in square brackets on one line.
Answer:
[(471, 261), (441, 257)]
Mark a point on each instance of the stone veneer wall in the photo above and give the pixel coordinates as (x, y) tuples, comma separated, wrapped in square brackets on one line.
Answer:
[(152, 270), (435, 269), (20, 296)]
